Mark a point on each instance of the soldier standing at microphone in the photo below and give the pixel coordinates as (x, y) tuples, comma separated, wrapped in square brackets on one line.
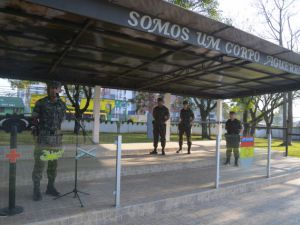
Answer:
[(185, 126), (48, 115), (160, 115)]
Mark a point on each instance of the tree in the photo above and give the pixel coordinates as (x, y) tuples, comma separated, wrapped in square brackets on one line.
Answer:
[(205, 7), (205, 106), (278, 15), (269, 103), (74, 93), (144, 101), (246, 106)]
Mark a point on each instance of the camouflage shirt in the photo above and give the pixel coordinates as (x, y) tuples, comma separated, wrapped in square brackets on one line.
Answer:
[(50, 115), (160, 115), (186, 117)]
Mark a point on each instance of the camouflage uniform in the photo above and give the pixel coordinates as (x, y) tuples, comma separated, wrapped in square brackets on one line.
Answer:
[(160, 115), (49, 137), (185, 126), (233, 128)]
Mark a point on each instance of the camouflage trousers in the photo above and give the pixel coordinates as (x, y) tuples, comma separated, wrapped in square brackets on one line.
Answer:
[(236, 152), (187, 131), (159, 130), (232, 144), (42, 153), (39, 166)]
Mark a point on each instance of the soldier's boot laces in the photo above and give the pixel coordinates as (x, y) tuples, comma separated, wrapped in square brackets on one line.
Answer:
[(227, 162), (236, 161), (154, 152), (37, 195), (51, 190)]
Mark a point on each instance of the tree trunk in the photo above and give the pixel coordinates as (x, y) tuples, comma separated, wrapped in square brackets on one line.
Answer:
[(252, 129), (204, 125), (204, 129), (78, 118), (245, 122), (209, 129)]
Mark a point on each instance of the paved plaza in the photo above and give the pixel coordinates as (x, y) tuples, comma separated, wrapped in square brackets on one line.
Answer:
[(274, 205), (146, 179)]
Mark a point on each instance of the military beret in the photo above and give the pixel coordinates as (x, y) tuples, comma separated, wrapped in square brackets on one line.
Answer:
[(185, 102), (160, 99), (54, 84)]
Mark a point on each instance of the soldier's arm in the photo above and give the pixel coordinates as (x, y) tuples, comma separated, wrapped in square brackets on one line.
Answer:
[(154, 113), (36, 110), (64, 111), (35, 118), (226, 125), (192, 116), (167, 114), (241, 128)]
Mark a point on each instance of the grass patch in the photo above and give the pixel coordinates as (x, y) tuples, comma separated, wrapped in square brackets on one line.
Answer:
[(26, 137), (294, 149)]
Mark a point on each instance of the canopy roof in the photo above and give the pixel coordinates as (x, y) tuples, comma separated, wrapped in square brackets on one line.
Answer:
[(145, 45)]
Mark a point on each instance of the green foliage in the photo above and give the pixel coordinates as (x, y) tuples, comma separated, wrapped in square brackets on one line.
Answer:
[(144, 102), (24, 84), (205, 7)]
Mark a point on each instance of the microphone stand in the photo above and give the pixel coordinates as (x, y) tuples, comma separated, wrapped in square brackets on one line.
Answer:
[(75, 190)]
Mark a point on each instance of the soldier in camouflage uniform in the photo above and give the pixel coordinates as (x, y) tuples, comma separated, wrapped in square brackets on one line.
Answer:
[(234, 128), (48, 115), (185, 126), (160, 115)]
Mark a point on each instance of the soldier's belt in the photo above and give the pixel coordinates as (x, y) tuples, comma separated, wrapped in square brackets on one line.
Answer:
[(233, 140), (49, 140)]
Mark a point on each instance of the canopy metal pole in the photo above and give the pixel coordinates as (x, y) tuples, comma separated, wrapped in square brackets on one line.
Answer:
[(167, 100), (96, 113), (269, 153), (218, 141), (118, 171)]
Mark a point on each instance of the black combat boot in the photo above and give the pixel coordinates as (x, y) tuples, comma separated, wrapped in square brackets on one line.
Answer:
[(189, 149), (236, 161), (51, 190), (180, 149), (154, 152), (37, 195), (163, 145), (227, 162)]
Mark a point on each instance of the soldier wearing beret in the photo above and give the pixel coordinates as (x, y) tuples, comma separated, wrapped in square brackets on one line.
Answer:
[(234, 128), (48, 115), (185, 126), (160, 115)]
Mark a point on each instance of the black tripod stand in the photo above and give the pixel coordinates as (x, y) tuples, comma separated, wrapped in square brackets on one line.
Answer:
[(75, 190)]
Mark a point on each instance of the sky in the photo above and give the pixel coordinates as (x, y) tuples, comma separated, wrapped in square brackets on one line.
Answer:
[(244, 16)]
